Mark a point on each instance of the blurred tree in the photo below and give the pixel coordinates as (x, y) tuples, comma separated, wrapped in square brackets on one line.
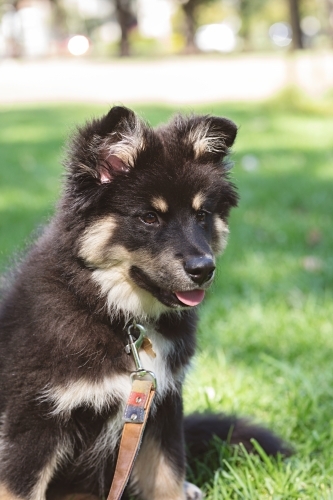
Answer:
[(247, 9), (190, 9), (13, 46), (295, 22), (127, 20), (59, 21), (329, 8)]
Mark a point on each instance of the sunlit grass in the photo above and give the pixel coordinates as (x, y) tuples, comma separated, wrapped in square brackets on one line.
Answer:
[(266, 334)]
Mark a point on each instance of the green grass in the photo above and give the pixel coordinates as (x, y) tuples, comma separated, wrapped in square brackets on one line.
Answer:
[(266, 334)]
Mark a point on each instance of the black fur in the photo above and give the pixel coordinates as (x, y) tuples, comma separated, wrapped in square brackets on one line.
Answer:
[(59, 329)]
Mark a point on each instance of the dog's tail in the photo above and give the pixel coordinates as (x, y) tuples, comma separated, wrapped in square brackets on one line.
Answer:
[(200, 429)]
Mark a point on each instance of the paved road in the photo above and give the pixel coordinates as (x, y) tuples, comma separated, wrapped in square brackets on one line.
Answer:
[(176, 80)]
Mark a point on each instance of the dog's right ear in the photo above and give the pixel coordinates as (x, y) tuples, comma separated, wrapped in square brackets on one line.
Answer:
[(107, 147), (206, 137)]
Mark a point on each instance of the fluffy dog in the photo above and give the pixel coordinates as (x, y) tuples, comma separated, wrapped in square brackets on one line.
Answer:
[(135, 237)]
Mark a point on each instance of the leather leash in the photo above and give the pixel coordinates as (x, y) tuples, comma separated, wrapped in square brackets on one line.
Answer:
[(135, 416)]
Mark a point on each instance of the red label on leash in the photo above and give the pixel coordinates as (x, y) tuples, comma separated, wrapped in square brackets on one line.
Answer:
[(137, 399)]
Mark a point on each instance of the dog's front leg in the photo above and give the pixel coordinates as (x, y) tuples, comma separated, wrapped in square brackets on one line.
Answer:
[(31, 449), (159, 471), (155, 476)]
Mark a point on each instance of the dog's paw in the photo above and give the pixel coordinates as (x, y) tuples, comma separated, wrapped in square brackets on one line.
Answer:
[(192, 492)]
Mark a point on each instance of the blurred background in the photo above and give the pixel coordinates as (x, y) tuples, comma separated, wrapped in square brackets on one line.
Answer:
[(35, 28), (85, 49)]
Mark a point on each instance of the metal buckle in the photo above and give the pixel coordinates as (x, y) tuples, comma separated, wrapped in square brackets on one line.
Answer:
[(133, 347)]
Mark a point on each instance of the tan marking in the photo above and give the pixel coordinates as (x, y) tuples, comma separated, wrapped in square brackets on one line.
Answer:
[(5, 494), (95, 240), (222, 232), (45, 476), (40, 488), (159, 204), (161, 482), (198, 201)]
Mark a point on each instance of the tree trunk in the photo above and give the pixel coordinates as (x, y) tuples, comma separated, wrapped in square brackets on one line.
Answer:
[(12, 46), (60, 26), (189, 9), (329, 4), (296, 24), (126, 21)]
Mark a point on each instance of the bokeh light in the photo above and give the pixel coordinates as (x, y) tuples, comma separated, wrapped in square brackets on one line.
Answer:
[(310, 25), (78, 45), (281, 34), (216, 37)]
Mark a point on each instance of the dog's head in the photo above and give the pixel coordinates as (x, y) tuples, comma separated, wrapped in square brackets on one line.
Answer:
[(155, 205)]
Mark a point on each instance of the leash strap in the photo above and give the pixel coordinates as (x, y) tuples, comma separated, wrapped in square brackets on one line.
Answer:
[(135, 416)]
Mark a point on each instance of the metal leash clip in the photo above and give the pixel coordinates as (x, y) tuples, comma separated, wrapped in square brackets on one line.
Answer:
[(133, 347)]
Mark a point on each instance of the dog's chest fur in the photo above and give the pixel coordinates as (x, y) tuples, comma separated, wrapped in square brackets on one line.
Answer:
[(104, 393), (108, 396)]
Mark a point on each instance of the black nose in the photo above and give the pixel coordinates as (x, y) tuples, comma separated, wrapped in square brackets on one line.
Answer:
[(200, 269)]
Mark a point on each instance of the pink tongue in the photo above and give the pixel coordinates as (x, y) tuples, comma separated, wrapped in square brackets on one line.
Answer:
[(191, 298)]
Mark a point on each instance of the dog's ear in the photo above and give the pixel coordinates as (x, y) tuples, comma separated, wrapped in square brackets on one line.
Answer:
[(208, 137), (108, 146)]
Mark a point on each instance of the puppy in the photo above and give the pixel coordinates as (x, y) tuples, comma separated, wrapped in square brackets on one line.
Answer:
[(143, 215)]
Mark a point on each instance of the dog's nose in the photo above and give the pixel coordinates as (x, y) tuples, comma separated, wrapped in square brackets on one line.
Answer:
[(200, 269)]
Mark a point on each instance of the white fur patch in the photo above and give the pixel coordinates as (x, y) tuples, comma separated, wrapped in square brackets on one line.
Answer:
[(124, 296), (222, 232), (192, 492), (83, 392), (158, 365)]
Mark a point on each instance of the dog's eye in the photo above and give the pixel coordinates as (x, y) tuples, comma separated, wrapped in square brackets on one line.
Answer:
[(149, 218), (201, 216)]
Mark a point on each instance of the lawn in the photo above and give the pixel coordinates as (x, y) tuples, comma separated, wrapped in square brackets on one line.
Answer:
[(266, 334)]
